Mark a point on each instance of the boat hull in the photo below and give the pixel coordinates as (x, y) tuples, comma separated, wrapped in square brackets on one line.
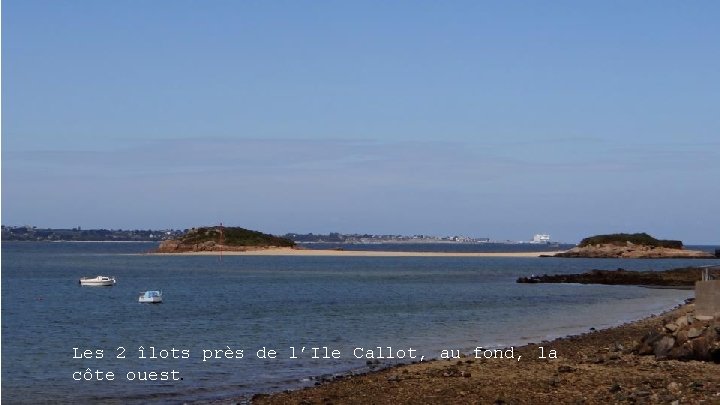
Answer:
[(150, 297), (100, 281)]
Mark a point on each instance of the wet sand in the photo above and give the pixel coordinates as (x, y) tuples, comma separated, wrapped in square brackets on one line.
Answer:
[(593, 368), (352, 253)]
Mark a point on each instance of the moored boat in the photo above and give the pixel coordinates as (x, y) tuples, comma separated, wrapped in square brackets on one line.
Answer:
[(151, 297), (101, 281)]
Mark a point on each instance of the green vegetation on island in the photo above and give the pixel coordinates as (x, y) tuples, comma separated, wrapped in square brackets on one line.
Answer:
[(622, 239), (233, 236), (219, 238), (632, 246)]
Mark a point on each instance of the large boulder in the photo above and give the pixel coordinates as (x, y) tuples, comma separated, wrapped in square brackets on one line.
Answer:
[(686, 338)]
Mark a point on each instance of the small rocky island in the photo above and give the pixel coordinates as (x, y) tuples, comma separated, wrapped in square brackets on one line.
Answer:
[(632, 246), (220, 238)]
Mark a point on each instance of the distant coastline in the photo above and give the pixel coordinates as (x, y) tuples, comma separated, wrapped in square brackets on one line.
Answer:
[(36, 234)]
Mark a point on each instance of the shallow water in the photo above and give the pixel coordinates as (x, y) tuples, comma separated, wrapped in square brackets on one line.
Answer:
[(246, 302)]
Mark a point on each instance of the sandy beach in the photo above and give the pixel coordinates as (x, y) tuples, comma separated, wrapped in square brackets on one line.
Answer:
[(352, 253), (596, 367)]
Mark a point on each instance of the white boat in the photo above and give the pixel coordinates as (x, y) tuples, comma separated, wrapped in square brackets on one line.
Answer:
[(98, 281), (152, 297)]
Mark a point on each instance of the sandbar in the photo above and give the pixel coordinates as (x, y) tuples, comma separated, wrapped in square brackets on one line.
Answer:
[(353, 253)]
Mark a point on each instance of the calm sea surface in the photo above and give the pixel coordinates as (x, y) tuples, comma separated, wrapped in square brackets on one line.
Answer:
[(247, 303)]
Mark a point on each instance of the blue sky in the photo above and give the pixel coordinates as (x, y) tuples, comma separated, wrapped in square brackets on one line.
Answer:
[(482, 118)]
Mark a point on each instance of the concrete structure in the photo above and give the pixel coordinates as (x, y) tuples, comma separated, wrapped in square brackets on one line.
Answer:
[(707, 298)]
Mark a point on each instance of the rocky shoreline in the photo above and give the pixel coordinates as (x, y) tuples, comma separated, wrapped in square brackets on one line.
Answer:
[(685, 337), (632, 251), (682, 277), (606, 366)]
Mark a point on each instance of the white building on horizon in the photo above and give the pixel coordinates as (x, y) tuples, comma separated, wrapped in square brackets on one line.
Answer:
[(541, 238)]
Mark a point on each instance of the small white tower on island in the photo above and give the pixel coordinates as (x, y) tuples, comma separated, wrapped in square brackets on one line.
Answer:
[(541, 238)]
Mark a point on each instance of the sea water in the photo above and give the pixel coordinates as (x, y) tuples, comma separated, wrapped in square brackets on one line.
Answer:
[(255, 304)]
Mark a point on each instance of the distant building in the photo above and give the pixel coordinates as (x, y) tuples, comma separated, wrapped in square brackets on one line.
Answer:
[(541, 238)]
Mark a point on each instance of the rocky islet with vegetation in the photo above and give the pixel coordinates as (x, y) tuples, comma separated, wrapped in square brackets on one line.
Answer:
[(632, 246), (219, 238)]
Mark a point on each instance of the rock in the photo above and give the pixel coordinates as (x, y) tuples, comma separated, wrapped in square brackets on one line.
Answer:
[(686, 276), (674, 387), (671, 327), (713, 331), (257, 397), (565, 369), (701, 341), (681, 337), (700, 348), (613, 356), (646, 345), (662, 347), (704, 318), (696, 384), (690, 319), (169, 246), (714, 356), (615, 388), (632, 251), (693, 333), (451, 372), (683, 352)]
